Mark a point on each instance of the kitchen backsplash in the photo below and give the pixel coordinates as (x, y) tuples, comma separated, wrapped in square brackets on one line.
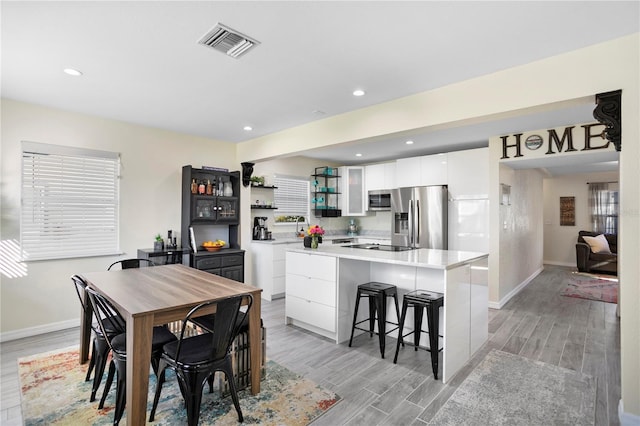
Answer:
[(377, 224)]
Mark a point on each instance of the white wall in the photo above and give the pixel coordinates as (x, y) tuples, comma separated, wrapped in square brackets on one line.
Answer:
[(520, 233), (560, 241), (150, 201)]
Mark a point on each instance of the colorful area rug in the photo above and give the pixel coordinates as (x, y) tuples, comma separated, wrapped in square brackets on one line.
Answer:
[(54, 392), (593, 287), (507, 389)]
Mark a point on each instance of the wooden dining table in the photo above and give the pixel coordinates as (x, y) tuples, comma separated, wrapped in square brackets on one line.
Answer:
[(157, 295)]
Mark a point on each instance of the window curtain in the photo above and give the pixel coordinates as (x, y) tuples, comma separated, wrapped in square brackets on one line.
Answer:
[(603, 203)]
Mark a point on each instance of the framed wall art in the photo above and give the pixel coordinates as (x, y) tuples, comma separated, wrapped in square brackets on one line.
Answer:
[(567, 211)]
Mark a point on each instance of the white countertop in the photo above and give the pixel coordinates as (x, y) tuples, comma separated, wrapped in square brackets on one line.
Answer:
[(422, 258), (328, 239)]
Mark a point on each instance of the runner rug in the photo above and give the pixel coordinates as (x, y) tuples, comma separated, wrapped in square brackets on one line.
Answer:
[(54, 392), (593, 287), (507, 389)]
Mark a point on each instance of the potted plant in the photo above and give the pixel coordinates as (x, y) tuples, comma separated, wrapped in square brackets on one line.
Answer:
[(257, 180), (158, 244)]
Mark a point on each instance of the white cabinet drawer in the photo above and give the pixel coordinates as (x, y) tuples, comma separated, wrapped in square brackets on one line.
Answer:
[(321, 267), (316, 314), (312, 289)]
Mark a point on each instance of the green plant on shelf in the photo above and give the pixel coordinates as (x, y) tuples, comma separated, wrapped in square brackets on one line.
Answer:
[(289, 219), (257, 180)]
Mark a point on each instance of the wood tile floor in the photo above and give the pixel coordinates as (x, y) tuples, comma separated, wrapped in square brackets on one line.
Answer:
[(538, 323)]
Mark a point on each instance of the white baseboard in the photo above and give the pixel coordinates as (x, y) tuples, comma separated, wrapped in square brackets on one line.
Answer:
[(627, 419), (512, 293), (41, 329), (552, 262)]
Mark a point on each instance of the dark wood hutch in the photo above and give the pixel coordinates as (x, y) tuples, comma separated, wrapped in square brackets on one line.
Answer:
[(211, 206)]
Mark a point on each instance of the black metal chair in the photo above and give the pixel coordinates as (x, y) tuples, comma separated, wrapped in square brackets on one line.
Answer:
[(131, 263), (100, 347), (108, 318), (195, 359), (206, 322)]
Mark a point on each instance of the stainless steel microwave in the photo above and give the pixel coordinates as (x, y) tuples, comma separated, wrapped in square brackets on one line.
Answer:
[(380, 200)]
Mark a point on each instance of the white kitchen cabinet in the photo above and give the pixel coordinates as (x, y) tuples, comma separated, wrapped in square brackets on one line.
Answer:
[(433, 170), (311, 288), (353, 191), (408, 172), (421, 171), (468, 174), (380, 176), (268, 262)]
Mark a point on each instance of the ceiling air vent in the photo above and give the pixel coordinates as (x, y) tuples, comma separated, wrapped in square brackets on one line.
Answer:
[(228, 41)]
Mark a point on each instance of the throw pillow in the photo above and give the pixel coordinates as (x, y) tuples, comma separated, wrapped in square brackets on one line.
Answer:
[(598, 244)]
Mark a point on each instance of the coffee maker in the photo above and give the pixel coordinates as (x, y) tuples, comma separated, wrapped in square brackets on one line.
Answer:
[(260, 231)]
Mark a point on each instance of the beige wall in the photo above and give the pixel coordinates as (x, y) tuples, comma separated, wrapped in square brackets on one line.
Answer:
[(560, 241), (564, 79), (150, 201)]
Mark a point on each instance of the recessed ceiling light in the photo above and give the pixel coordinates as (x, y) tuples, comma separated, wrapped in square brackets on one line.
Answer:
[(358, 92), (358, 155), (409, 142), (248, 128), (72, 72)]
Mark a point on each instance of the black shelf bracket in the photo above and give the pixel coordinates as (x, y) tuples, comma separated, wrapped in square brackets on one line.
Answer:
[(247, 170), (607, 112)]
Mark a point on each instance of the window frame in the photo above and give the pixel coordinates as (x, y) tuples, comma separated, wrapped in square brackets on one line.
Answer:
[(280, 187)]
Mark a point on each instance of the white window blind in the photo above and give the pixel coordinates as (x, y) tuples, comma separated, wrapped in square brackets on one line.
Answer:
[(70, 201), (291, 197)]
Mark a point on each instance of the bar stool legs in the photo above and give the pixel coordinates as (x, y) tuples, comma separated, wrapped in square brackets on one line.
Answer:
[(419, 300), (377, 294)]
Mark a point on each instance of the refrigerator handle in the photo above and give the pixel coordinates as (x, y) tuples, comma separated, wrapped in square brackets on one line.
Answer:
[(411, 222), (417, 224)]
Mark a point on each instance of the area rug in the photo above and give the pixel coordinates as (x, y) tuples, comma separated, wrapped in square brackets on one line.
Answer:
[(54, 392), (507, 389), (593, 287)]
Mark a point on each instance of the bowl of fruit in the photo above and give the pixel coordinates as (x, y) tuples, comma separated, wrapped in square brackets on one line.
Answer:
[(213, 245)]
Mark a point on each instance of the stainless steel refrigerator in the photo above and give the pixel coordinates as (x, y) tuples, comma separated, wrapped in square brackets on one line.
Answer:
[(419, 217)]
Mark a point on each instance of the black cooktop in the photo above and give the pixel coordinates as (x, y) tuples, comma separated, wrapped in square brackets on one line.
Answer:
[(382, 247)]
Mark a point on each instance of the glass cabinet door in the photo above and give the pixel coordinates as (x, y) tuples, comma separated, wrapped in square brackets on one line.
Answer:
[(227, 209), (204, 209)]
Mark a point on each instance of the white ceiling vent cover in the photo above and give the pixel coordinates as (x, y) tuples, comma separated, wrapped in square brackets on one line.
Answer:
[(228, 41)]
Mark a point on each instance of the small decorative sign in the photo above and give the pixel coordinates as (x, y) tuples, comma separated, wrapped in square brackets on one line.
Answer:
[(215, 169), (567, 211), (533, 142), (505, 194)]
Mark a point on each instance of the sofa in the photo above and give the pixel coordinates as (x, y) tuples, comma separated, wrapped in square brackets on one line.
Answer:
[(601, 261)]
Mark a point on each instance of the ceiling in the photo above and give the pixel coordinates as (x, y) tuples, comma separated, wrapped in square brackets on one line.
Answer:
[(141, 62)]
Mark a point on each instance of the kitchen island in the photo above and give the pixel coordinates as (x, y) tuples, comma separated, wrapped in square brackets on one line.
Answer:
[(321, 291)]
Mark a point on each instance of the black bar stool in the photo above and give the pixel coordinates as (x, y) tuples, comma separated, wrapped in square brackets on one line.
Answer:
[(377, 294), (418, 300)]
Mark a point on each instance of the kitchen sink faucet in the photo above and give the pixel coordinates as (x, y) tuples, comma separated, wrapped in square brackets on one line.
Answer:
[(296, 229)]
